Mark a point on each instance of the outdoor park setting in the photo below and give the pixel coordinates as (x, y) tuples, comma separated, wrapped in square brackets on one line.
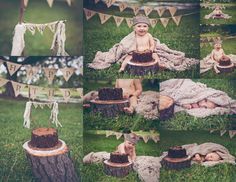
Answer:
[(173, 33), (42, 24)]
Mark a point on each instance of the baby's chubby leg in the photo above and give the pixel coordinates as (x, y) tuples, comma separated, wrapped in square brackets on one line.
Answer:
[(133, 104), (125, 62)]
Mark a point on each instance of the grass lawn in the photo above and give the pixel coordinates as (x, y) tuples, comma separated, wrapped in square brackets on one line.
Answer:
[(229, 48), (183, 121), (40, 12), (99, 37), (230, 10), (14, 165), (223, 172)]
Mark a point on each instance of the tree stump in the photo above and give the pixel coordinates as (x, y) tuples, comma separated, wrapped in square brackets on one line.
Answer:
[(117, 170), (177, 163), (166, 107), (141, 69), (225, 69), (108, 108), (52, 165)]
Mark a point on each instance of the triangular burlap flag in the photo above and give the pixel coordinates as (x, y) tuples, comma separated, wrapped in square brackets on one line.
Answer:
[(104, 17), (153, 22), (50, 74), (35, 104), (26, 2), (80, 91), (52, 27), (118, 135), (41, 28), (147, 10), (177, 19), (118, 20), (222, 132), (155, 138), (172, 10), (17, 87), (164, 21), (31, 28), (109, 133), (41, 105), (3, 81), (12, 67), (50, 92), (33, 91), (160, 10), (135, 8), (69, 2), (66, 94), (232, 133), (208, 39), (89, 13), (49, 105), (122, 6), (109, 3), (145, 138), (129, 22), (31, 71), (50, 2), (96, 1), (67, 72)]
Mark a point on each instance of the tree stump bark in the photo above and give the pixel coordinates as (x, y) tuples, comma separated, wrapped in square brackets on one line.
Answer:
[(177, 164), (141, 69), (166, 107), (109, 108), (117, 170), (52, 165), (226, 69)]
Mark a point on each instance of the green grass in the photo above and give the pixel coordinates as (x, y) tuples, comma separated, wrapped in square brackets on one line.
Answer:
[(99, 37), (40, 12), (183, 121), (229, 48), (223, 172), (230, 10), (14, 165)]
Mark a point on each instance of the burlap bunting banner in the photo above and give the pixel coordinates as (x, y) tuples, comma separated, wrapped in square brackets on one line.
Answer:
[(89, 13), (66, 93), (50, 2), (160, 10), (109, 3), (164, 21), (222, 132), (177, 19), (33, 91), (172, 10), (153, 22), (129, 22), (31, 71), (104, 17), (80, 91), (123, 6), (118, 135), (118, 20), (17, 87), (135, 9), (12, 67), (50, 92), (232, 133), (67, 72), (50, 74), (147, 10), (3, 82)]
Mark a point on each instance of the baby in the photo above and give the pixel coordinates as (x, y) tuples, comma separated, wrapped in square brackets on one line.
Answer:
[(217, 53), (201, 104), (132, 89), (213, 156), (217, 11), (144, 40), (128, 146)]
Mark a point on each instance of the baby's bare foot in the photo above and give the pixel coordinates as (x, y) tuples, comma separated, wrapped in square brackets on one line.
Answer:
[(121, 70), (129, 110)]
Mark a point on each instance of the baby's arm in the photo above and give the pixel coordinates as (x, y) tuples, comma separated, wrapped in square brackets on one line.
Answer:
[(138, 87), (212, 55), (133, 154), (151, 42)]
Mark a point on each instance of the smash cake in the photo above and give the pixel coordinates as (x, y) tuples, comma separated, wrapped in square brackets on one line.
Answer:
[(110, 94), (116, 157), (142, 56)]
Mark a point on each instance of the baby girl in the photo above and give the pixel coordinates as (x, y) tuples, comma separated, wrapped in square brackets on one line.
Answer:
[(144, 40), (128, 146), (201, 104), (212, 156), (217, 53)]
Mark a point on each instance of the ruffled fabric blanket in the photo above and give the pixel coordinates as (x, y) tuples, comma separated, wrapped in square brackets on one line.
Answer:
[(148, 167), (207, 63), (213, 15), (185, 91), (170, 59), (147, 103)]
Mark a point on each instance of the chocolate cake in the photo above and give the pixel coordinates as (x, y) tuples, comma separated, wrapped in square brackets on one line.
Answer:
[(176, 159), (110, 94), (225, 61), (44, 138), (177, 152), (142, 57), (116, 157)]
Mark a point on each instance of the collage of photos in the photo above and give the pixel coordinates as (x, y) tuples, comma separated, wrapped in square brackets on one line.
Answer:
[(118, 90)]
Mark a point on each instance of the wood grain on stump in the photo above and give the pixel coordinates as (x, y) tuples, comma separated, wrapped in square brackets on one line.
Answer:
[(225, 69), (166, 107), (176, 163), (52, 165), (141, 69), (117, 170), (109, 108)]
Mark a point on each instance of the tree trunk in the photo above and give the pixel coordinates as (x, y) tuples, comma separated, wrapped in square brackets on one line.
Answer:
[(56, 167), (225, 69), (141, 69), (178, 163), (117, 170), (109, 108)]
